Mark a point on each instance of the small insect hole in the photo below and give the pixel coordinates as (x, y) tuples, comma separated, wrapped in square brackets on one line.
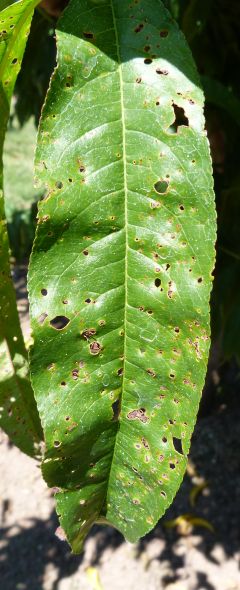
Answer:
[(44, 292), (158, 282)]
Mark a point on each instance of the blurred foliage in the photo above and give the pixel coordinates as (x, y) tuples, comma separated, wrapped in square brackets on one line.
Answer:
[(212, 28), (38, 63), (21, 197)]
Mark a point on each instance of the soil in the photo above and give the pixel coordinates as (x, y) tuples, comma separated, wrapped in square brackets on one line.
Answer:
[(188, 556)]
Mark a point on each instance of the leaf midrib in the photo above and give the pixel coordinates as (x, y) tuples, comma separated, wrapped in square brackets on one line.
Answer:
[(126, 218)]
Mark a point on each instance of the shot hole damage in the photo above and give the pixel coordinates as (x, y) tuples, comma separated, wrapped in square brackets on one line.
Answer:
[(89, 333), (180, 119), (95, 348), (116, 410), (177, 443), (161, 187), (148, 60), (59, 322)]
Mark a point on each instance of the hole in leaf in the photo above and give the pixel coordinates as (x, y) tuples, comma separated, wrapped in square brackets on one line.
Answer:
[(148, 60), (158, 282), (56, 443), (177, 443), (161, 187), (44, 292), (59, 322), (180, 119), (59, 184), (116, 409)]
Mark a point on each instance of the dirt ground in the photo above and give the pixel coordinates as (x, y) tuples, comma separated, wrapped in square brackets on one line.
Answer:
[(188, 556)]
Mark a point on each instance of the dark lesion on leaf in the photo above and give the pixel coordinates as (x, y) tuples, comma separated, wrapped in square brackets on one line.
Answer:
[(139, 28), (88, 333), (95, 348), (139, 414), (42, 318)]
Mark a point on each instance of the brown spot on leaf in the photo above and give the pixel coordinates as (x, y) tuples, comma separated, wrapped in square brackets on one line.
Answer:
[(138, 415), (95, 348)]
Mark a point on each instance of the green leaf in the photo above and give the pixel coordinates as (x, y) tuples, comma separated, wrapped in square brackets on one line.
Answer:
[(121, 269), (18, 413)]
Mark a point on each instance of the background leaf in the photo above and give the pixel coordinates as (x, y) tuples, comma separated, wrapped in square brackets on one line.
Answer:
[(121, 269), (18, 413)]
